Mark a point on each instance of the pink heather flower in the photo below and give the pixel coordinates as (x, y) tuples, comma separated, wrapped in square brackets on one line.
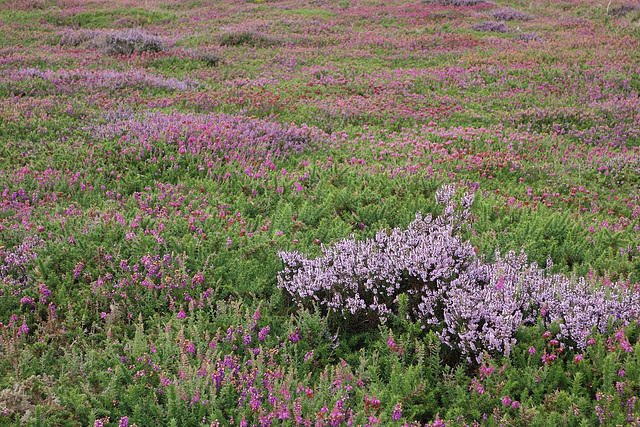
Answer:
[(578, 359), (391, 343), (124, 422), (181, 314), (532, 350), (515, 404), (24, 329), (548, 358), (591, 341), (506, 401), (621, 373), (546, 335)]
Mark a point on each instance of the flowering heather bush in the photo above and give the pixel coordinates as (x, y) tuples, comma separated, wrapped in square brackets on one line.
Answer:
[(90, 80), (364, 279), (72, 37), (456, 2), (529, 36), (14, 271), (126, 42), (510, 14), (624, 9), (491, 27), (480, 305)]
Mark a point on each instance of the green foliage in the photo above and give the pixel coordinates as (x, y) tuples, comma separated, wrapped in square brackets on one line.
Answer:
[(119, 18), (248, 38)]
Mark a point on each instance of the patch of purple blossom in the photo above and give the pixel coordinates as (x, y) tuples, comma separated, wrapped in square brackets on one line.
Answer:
[(94, 80), (624, 9), (456, 2), (126, 42), (529, 36), (479, 305), (491, 27), (510, 14)]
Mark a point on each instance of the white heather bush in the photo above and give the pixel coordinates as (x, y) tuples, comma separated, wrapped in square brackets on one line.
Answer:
[(491, 27), (126, 42), (456, 2), (510, 14), (474, 305)]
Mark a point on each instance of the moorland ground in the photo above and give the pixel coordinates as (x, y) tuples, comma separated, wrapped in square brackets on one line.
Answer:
[(289, 212)]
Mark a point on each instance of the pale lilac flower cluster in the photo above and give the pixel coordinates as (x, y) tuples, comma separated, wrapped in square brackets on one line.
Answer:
[(491, 27), (71, 37), (94, 80), (478, 305), (14, 263), (366, 277), (126, 42), (510, 14), (624, 9), (456, 2), (529, 36)]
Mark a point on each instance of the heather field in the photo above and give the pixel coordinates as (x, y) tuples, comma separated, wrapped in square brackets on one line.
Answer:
[(319, 213)]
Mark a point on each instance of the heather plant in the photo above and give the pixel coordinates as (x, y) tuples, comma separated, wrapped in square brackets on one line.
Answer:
[(509, 14), (624, 9), (457, 2), (491, 27), (528, 36), (72, 37), (475, 306), (126, 42)]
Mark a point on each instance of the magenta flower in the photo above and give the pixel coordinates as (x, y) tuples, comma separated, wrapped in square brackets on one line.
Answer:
[(263, 333), (397, 412)]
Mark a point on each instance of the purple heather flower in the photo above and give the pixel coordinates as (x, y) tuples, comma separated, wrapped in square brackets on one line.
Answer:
[(397, 412), (263, 333)]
